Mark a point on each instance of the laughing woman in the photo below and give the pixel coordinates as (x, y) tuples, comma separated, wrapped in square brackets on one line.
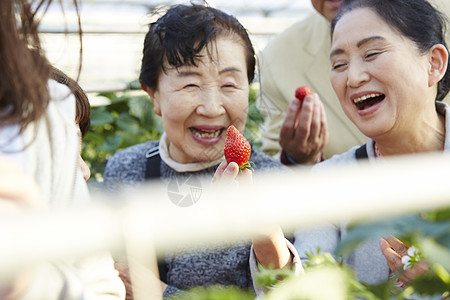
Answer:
[(389, 73), (197, 65)]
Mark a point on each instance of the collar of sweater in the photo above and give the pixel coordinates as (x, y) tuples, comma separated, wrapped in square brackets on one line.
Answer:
[(180, 167)]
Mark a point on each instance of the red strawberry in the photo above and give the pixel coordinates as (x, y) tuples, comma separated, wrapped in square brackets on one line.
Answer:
[(237, 148), (302, 91)]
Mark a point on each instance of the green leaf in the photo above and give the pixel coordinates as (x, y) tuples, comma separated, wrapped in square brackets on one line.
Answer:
[(268, 276), (100, 117), (435, 253), (442, 214), (382, 290), (326, 282), (216, 292), (111, 143), (94, 137), (135, 85), (110, 95), (142, 108), (119, 105), (127, 123), (429, 284), (360, 232), (403, 227)]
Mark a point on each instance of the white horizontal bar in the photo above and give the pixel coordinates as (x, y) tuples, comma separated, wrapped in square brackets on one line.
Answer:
[(406, 184)]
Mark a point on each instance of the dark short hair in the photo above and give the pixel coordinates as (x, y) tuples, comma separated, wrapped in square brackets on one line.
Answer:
[(417, 20), (179, 36)]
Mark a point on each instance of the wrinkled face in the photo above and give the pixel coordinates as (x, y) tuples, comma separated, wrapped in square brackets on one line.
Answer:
[(379, 76), (198, 103), (327, 8)]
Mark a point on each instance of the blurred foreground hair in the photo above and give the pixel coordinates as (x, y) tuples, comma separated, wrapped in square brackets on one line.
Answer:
[(24, 69)]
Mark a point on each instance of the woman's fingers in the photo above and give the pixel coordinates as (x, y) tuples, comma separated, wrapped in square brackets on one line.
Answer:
[(398, 246), (246, 177), (225, 173), (17, 188), (412, 273), (228, 174), (393, 250), (219, 171), (393, 260)]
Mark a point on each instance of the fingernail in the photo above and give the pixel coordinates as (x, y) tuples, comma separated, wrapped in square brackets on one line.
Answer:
[(230, 169)]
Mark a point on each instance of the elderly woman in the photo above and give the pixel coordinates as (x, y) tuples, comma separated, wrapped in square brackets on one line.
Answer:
[(197, 65), (389, 70)]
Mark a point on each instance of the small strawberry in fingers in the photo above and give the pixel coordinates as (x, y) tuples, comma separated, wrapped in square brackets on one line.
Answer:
[(300, 93), (237, 148)]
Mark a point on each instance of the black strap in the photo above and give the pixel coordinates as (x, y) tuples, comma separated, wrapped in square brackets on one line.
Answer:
[(361, 152), (152, 172), (153, 165)]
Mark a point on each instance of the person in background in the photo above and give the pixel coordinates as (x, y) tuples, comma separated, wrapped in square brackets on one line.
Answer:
[(38, 136), (197, 65), (300, 56)]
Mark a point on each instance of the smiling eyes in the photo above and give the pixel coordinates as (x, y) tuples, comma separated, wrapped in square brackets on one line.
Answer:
[(192, 86), (340, 64), (229, 86), (337, 67), (373, 54)]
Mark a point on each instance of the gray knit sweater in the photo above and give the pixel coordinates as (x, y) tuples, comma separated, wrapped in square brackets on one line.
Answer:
[(224, 265)]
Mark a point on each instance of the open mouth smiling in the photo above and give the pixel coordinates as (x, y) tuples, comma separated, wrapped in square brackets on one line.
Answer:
[(206, 134), (368, 100)]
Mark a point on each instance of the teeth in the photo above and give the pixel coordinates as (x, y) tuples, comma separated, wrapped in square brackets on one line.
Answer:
[(361, 99), (206, 134)]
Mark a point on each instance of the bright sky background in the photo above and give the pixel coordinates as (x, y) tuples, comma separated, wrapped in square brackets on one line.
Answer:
[(113, 33)]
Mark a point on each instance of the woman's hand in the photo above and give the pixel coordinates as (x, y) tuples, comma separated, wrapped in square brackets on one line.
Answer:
[(304, 132), (394, 249), (270, 248), (17, 189), (269, 243), (18, 192), (227, 174)]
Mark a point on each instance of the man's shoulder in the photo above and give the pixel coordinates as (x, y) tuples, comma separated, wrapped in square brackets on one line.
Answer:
[(297, 44), (300, 32)]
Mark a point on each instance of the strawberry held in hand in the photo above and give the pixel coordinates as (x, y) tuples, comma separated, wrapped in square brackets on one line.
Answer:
[(237, 148), (302, 91)]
